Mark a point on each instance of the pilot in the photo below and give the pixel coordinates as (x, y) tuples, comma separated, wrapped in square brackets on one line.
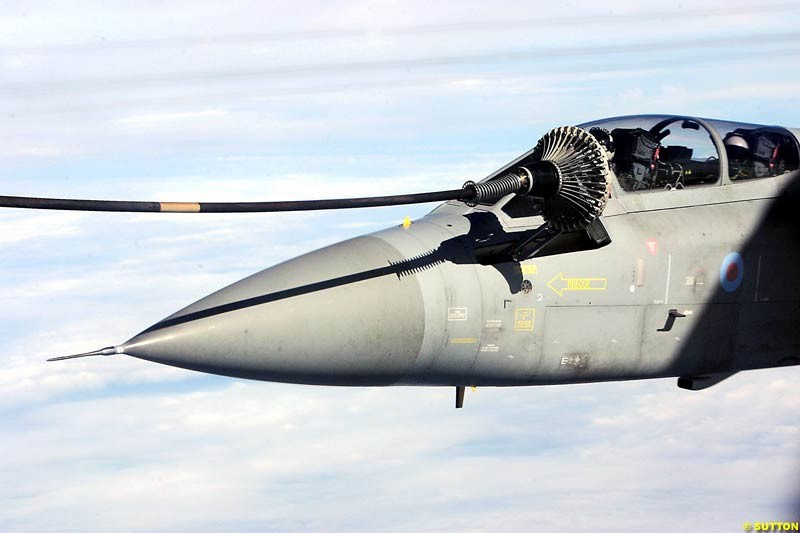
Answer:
[(739, 160)]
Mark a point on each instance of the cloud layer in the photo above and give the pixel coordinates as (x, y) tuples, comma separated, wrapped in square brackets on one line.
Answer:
[(205, 101)]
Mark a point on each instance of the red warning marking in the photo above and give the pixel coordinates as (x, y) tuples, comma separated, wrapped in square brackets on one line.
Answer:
[(652, 246), (732, 272)]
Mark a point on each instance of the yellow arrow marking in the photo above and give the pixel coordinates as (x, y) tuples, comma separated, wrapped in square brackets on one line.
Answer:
[(559, 284)]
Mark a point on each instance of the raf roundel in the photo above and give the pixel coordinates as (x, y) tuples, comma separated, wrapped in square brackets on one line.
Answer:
[(731, 273)]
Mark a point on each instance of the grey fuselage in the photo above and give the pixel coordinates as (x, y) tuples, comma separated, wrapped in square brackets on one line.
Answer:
[(415, 305)]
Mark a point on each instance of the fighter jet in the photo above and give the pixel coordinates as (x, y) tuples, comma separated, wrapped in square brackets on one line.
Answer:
[(625, 248)]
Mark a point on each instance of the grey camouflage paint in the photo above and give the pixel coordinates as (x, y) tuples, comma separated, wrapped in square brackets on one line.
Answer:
[(360, 313)]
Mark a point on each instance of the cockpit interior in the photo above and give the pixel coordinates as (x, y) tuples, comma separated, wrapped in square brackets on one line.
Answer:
[(659, 152)]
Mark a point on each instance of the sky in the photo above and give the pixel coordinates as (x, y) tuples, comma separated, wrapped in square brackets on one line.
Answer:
[(264, 101)]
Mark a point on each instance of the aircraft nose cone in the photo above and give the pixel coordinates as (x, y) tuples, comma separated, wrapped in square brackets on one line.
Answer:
[(339, 316)]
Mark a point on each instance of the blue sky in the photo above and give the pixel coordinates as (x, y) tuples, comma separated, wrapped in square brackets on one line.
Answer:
[(246, 101)]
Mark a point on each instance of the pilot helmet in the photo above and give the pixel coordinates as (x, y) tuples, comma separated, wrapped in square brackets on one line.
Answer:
[(736, 142)]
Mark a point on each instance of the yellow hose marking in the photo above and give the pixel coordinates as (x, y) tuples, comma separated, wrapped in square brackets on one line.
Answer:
[(180, 207)]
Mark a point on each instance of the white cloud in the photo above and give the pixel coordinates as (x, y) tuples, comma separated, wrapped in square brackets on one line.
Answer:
[(20, 150), (205, 101), (172, 117), (290, 456), (19, 226)]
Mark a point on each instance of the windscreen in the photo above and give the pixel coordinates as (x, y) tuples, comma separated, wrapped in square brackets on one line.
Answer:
[(657, 152)]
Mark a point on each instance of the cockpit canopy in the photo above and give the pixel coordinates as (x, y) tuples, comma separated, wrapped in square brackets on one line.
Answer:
[(657, 152), (649, 153)]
